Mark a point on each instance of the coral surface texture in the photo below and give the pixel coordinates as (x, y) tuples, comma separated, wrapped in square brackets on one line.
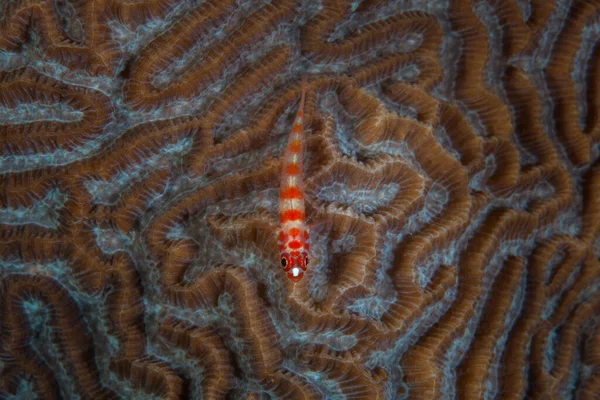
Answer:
[(452, 190)]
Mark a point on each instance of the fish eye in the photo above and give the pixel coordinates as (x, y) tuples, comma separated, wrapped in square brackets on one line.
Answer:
[(286, 262)]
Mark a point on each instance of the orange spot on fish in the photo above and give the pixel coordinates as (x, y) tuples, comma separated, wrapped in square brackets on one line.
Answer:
[(296, 128), (281, 236), (294, 232), (294, 244), (306, 235), (290, 193), (290, 215), (292, 169), (295, 146), (294, 253)]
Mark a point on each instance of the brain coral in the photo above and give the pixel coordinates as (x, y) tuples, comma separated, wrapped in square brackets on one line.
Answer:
[(452, 182)]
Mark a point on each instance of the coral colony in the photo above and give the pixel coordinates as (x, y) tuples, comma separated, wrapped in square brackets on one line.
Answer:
[(163, 166)]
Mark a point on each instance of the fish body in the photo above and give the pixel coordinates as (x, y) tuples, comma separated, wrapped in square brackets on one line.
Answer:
[(293, 238)]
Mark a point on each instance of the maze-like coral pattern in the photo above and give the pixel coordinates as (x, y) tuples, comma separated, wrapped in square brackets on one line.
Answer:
[(452, 179)]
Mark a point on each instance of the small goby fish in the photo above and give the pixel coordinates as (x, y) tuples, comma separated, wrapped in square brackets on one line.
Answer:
[(293, 238)]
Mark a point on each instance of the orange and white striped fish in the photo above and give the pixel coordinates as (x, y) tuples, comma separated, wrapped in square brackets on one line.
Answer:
[(293, 239)]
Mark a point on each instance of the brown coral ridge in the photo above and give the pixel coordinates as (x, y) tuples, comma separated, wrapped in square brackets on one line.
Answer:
[(369, 36), (177, 255), (140, 90), (476, 367), (206, 348), (255, 336), (472, 89), (26, 86), (86, 41), (508, 225), (430, 155), (151, 377), (74, 240), (64, 329), (563, 89), (353, 381)]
